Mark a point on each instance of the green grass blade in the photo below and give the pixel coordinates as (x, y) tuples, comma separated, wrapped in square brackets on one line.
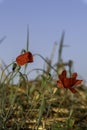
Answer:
[(41, 110)]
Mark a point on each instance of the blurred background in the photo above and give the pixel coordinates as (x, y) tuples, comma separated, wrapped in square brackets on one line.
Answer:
[(47, 19)]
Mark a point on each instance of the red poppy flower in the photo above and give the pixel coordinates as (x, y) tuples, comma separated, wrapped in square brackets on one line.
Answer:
[(22, 59), (69, 83)]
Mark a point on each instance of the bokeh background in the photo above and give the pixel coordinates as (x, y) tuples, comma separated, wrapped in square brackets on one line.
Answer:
[(47, 19)]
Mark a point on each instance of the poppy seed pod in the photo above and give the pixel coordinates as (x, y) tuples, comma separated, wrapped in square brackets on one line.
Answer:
[(22, 59)]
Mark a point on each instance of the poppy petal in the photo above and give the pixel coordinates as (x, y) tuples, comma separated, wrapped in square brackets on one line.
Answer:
[(72, 81), (77, 82), (63, 75), (73, 90), (59, 83), (22, 59), (66, 82), (74, 75)]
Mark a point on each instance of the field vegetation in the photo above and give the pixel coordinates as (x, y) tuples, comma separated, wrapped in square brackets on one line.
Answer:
[(51, 101)]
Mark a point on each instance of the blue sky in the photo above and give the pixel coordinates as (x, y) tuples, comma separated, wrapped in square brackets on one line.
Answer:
[(47, 19)]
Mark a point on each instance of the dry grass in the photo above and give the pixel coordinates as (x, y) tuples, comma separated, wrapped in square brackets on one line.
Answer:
[(40, 104)]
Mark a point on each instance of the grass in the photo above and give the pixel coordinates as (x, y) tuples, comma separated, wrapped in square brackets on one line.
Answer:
[(40, 104)]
